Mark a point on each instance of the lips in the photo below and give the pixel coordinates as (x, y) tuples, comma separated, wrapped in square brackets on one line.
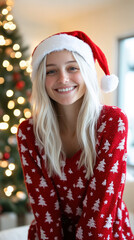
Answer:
[(67, 89)]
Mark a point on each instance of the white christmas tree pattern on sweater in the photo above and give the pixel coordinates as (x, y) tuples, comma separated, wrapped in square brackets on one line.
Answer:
[(102, 127), (79, 233), (101, 166), (79, 198), (106, 146), (121, 125)]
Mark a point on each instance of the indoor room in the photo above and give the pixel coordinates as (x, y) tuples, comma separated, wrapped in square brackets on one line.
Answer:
[(23, 25)]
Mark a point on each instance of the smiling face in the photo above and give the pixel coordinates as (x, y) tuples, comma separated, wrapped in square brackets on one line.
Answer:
[(64, 83)]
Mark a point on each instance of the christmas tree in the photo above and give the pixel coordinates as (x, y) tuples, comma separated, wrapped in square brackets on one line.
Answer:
[(15, 88)]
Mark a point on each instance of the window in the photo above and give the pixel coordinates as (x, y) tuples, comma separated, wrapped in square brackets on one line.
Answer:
[(126, 88)]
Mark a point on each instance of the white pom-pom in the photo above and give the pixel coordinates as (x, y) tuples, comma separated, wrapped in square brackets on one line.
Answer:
[(109, 83)]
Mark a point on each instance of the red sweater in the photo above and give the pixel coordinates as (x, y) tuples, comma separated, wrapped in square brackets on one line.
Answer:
[(72, 207)]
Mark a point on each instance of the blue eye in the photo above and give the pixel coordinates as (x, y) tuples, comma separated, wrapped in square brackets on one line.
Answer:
[(72, 68), (50, 72)]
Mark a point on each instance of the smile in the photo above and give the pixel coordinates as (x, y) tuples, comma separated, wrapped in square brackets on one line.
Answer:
[(65, 89)]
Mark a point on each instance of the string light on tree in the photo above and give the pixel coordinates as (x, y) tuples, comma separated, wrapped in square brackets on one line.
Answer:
[(9, 93), (15, 90), (16, 47), (21, 100), (2, 80), (4, 126), (17, 112), (11, 166), (14, 129), (6, 118), (11, 104)]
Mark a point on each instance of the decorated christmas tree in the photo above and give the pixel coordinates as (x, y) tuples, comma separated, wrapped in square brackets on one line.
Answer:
[(15, 88)]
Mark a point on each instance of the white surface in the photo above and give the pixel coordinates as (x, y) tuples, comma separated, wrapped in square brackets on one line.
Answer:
[(19, 233), (8, 220)]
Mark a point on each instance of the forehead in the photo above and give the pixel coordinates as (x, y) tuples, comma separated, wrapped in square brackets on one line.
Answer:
[(59, 56)]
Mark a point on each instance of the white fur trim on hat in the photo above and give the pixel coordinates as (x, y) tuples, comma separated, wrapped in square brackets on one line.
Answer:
[(60, 42), (109, 83)]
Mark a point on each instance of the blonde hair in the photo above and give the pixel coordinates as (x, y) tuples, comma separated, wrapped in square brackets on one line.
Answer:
[(46, 127)]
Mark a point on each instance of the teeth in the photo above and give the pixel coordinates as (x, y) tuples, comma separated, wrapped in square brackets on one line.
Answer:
[(65, 89)]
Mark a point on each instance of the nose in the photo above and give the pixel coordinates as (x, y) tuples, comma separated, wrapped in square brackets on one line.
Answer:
[(63, 76)]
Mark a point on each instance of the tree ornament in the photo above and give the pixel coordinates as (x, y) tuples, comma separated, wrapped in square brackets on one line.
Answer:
[(16, 76), (20, 85), (6, 155)]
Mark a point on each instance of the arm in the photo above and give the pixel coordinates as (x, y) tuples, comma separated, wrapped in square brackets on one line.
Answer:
[(104, 213), (40, 189)]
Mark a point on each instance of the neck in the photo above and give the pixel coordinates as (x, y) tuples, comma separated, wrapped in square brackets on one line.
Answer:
[(67, 116)]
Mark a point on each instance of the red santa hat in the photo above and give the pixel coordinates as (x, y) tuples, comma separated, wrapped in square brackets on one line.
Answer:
[(79, 42)]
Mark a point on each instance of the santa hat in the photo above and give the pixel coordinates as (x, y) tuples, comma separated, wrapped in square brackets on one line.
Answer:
[(79, 42)]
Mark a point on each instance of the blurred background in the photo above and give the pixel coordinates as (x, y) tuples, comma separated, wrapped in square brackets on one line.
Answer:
[(23, 24)]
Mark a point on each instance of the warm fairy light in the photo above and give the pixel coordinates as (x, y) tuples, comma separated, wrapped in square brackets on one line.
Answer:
[(6, 118), (9, 26), (12, 26), (8, 194), (12, 55), (9, 8), (8, 172), (9, 93), (4, 11), (29, 69), (27, 113), (23, 64), (21, 120), (8, 191), (5, 63), (10, 2), (16, 47), (8, 42), (10, 68), (3, 164), (3, 126), (11, 166), (18, 54), (2, 80), (17, 112), (2, 41), (9, 17), (10, 188), (21, 195), (11, 104), (6, 25), (21, 100), (14, 129)]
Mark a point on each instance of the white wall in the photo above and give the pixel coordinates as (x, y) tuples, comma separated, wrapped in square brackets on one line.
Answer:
[(105, 25)]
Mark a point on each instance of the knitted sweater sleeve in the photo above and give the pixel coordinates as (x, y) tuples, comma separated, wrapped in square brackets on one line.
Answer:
[(104, 213), (40, 188)]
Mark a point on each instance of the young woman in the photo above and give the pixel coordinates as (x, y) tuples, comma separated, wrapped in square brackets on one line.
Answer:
[(73, 149)]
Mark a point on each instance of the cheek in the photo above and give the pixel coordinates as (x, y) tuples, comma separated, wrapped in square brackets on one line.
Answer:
[(48, 84)]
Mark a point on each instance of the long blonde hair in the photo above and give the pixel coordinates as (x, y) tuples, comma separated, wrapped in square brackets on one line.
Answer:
[(46, 126)]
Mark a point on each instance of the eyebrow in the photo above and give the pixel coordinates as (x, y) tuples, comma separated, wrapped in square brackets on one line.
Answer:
[(52, 64)]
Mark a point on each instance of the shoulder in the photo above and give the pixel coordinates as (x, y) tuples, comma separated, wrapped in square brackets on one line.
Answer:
[(113, 113), (26, 123), (26, 127), (112, 120)]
